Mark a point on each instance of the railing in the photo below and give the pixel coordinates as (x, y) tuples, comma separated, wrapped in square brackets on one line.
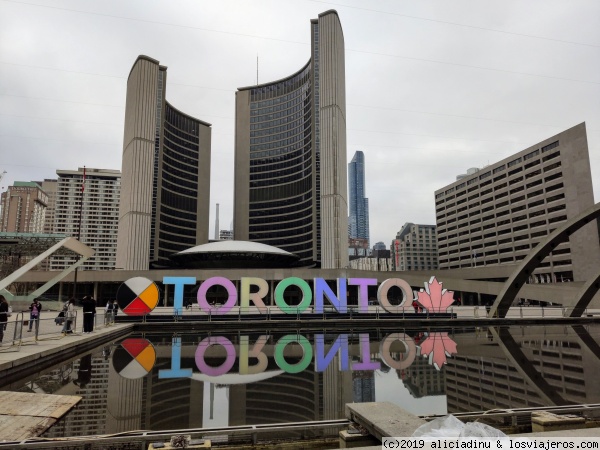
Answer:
[(22, 329), (233, 436), (329, 313)]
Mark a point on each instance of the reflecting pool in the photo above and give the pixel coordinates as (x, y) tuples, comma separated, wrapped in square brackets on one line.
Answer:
[(198, 380)]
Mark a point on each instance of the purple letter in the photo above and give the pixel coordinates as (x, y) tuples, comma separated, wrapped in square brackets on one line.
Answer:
[(231, 300), (363, 291)]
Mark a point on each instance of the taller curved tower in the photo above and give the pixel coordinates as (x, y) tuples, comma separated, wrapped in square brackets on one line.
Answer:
[(290, 156)]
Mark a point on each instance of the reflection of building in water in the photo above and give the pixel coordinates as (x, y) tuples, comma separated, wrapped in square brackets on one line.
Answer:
[(304, 396), (363, 384), (152, 403), (484, 377), (173, 403), (125, 402), (90, 380), (423, 379), (284, 398), (337, 390)]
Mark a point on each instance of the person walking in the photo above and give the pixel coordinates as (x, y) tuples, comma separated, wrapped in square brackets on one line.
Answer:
[(34, 313), (89, 311), (3, 316), (69, 316)]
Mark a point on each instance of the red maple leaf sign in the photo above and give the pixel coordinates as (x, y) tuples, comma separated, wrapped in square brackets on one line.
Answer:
[(433, 298), (438, 346)]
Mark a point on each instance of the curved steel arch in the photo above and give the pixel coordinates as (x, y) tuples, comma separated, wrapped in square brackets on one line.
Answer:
[(513, 285), (585, 296), (528, 371)]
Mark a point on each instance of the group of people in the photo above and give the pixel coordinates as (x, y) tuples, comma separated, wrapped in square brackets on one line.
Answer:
[(65, 317), (89, 312)]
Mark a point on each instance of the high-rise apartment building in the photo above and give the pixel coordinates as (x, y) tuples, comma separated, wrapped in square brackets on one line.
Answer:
[(49, 186), (166, 173), (415, 248), (290, 156), (88, 209), (500, 213), (23, 208), (358, 220)]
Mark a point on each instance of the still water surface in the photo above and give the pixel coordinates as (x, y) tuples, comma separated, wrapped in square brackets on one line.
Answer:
[(163, 381)]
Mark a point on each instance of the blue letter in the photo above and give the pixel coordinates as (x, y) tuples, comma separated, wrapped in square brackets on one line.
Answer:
[(178, 282), (339, 302), (176, 370), (341, 343)]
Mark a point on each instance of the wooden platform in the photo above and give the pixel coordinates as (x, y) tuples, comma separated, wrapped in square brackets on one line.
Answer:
[(24, 415)]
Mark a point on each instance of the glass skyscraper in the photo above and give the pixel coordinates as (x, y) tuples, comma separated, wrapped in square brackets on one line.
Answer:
[(358, 221)]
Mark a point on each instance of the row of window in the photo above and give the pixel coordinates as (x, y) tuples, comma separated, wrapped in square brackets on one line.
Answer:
[(297, 132), (501, 168), (261, 96)]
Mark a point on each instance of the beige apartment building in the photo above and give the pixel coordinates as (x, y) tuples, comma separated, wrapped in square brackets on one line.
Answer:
[(50, 187), (87, 208), (415, 248), (498, 214), (23, 208)]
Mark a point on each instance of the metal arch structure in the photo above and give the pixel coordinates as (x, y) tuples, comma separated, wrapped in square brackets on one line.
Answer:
[(525, 367), (585, 296), (513, 285), (69, 243)]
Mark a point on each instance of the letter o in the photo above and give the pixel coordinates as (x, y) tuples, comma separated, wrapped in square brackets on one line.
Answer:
[(382, 293), (223, 368), (386, 344), (231, 291), (306, 350), (306, 295)]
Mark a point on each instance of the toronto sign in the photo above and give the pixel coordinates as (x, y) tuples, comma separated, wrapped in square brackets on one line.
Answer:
[(139, 296)]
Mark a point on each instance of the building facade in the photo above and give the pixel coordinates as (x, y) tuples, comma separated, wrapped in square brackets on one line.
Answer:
[(415, 248), (498, 214), (290, 156), (358, 219), (23, 208), (166, 173), (49, 186), (88, 209)]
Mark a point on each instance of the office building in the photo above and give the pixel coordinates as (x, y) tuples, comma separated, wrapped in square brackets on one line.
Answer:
[(166, 173), (358, 220), (415, 248), (87, 208), (498, 214), (290, 156), (23, 208)]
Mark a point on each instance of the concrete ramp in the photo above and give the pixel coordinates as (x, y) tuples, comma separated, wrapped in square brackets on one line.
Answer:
[(383, 419)]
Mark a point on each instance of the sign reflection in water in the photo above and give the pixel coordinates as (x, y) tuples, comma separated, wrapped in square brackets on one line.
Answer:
[(494, 368), (136, 357), (238, 379)]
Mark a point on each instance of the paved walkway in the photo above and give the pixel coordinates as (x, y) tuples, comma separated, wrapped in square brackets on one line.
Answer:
[(53, 346)]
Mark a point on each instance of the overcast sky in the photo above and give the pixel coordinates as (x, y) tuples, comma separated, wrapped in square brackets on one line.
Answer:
[(433, 86)]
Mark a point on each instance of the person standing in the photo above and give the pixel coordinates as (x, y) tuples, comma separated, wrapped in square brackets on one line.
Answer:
[(3, 316), (89, 311), (69, 316), (34, 313)]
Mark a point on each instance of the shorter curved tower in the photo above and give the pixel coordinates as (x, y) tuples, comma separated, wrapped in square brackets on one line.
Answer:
[(165, 184), (290, 156)]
